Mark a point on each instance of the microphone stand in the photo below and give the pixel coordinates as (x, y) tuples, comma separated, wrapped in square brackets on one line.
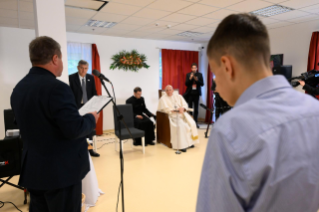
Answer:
[(119, 118), (211, 116)]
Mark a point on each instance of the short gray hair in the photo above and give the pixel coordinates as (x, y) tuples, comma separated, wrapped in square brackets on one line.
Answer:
[(83, 62)]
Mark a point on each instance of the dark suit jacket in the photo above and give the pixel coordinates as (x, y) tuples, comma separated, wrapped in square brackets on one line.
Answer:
[(76, 87), (139, 106), (54, 146), (189, 84)]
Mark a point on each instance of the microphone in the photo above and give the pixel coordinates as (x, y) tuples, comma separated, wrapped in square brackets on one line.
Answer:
[(99, 75)]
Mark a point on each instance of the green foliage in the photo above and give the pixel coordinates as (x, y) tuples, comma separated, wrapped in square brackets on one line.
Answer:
[(129, 61)]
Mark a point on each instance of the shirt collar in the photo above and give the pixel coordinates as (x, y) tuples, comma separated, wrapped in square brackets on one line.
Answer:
[(81, 77), (261, 87)]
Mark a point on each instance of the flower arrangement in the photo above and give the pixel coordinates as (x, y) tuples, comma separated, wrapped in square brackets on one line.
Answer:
[(132, 61)]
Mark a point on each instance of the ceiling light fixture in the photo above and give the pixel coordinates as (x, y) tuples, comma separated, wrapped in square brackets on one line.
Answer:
[(190, 34), (271, 10), (102, 24)]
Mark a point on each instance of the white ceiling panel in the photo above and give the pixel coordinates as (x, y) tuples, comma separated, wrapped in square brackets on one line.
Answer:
[(267, 21), (201, 21), (279, 25), (296, 4), (72, 28), (179, 18), (214, 25), (162, 24), (184, 27), (114, 32), (170, 32), (311, 9), (204, 29), (137, 34), (275, 1), (290, 15), (151, 14), (137, 21), (84, 4), (140, 3), (198, 10), (109, 17), (91, 30), (220, 14), (29, 24), (75, 21), (169, 5), (305, 18), (79, 13), (249, 6), (26, 16), (126, 26), (9, 5), (155, 36), (8, 13), (192, 0), (150, 29), (121, 9), (220, 3), (26, 6), (9, 21)]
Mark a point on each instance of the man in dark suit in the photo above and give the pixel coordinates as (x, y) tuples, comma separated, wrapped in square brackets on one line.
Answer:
[(83, 87), (194, 81), (142, 121), (54, 159)]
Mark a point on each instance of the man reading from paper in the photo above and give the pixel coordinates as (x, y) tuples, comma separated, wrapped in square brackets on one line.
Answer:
[(183, 128)]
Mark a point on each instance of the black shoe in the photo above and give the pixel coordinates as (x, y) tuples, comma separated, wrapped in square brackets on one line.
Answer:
[(183, 150), (150, 144), (198, 126), (94, 154), (191, 146)]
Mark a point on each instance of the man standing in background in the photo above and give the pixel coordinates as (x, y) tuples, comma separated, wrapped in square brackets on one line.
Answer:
[(194, 82), (54, 158), (83, 87)]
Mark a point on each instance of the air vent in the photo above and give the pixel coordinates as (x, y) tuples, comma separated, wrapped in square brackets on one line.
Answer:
[(272, 10), (190, 34), (102, 24)]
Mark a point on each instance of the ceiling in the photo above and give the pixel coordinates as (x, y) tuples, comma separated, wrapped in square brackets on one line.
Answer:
[(148, 19)]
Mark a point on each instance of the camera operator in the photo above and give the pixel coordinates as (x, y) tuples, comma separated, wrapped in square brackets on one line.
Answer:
[(311, 90)]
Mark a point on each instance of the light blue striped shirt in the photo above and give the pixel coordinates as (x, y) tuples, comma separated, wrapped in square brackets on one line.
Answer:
[(263, 155)]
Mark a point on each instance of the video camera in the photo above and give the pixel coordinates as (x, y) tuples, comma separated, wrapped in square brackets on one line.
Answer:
[(311, 78)]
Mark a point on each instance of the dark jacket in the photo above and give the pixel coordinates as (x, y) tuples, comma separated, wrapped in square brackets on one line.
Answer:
[(76, 87), (54, 146), (311, 90), (139, 106), (189, 84)]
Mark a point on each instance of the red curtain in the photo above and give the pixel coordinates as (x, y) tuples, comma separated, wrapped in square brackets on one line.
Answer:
[(175, 65), (96, 65), (210, 95), (313, 56)]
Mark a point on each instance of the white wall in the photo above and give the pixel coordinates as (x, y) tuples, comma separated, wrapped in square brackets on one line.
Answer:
[(293, 41), (14, 65)]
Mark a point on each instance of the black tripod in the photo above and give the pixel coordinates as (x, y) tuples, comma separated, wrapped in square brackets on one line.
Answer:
[(211, 117), (119, 118)]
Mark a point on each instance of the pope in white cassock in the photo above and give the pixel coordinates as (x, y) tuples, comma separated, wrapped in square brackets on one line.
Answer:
[(183, 128)]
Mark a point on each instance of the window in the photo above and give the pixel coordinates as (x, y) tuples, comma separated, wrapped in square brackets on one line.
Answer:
[(160, 70), (77, 52)]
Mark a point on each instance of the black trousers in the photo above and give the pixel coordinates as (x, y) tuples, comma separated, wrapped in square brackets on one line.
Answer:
[(193, 101), (60, 200), (148, 127)]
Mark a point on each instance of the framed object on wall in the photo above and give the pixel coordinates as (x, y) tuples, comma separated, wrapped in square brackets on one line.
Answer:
[(276, 60)]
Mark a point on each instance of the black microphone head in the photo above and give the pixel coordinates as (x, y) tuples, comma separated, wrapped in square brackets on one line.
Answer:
[(96, 73)]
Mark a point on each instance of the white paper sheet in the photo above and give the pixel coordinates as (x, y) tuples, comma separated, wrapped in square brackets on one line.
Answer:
[(96, 103)]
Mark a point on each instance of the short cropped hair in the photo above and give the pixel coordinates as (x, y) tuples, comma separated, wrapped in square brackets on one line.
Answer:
[(194, 64), (243, 36), (83, 62), (42, 49), (137, 89)]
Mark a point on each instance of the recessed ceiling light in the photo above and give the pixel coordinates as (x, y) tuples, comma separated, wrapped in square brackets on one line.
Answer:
[(190, 34), (102, 24), (271, 11)]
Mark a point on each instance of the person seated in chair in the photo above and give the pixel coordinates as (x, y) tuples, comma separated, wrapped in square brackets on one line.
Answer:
[(183, 128), (142, 121)]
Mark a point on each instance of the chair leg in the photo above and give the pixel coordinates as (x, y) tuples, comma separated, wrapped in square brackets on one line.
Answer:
[(94, 143), (143, 144), (132, 143), (116, 141)]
